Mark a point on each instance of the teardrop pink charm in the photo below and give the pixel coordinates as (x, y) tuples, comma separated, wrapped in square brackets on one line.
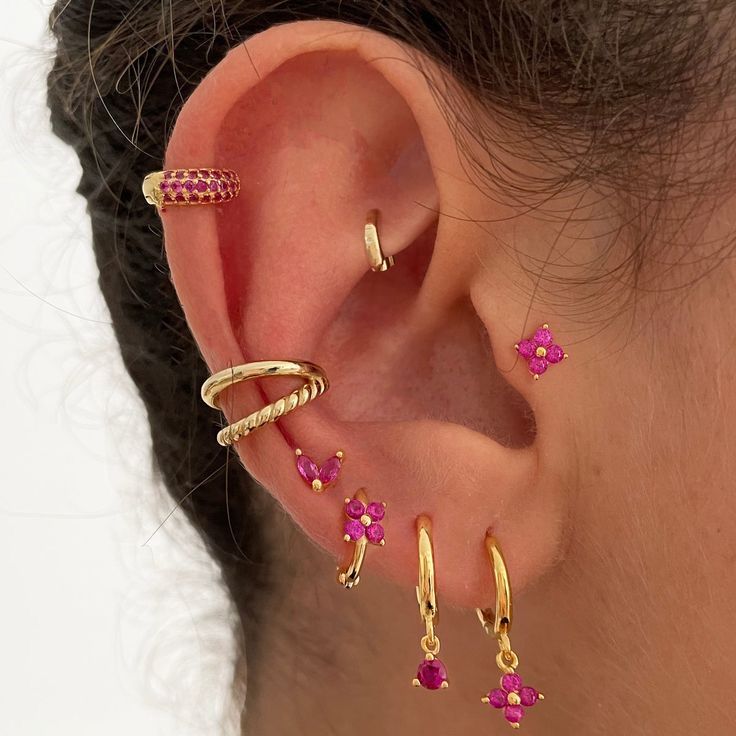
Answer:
[(319, 477)]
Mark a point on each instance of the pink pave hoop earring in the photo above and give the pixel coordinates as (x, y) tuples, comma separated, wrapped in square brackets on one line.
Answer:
[(512, 697), (177, 187), (540, 351)]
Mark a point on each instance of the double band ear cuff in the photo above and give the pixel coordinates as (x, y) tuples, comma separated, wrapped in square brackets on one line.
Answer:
[(174, 187), (431, 673), (540, 351), (315, 384), (362, 526), (513, 696)]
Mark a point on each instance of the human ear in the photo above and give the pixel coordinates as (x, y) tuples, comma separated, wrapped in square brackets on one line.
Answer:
[(324, 122)]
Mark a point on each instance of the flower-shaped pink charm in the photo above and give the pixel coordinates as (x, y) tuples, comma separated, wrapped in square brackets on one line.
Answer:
[(363, 521), (319, 477), (513, 697), (540, 351)]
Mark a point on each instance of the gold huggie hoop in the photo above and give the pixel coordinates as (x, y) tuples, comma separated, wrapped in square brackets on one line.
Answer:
[(316, 384), (174, 187), (373, 250), (431, 673), (512, 697)]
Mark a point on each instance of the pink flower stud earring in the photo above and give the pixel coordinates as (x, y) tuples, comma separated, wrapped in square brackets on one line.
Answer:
[(319, 477), (540, 351), (512, 697), (362, 525)]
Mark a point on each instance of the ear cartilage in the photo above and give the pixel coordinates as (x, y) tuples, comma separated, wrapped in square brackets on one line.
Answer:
[(373, 251), (362, 526), (319, 476), (540, 351), (177, 187)]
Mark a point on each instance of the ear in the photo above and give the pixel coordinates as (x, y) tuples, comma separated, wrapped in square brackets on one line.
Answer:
[(436, 415)]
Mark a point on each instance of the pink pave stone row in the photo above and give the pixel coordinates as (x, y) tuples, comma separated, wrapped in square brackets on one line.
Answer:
[(198, 186)]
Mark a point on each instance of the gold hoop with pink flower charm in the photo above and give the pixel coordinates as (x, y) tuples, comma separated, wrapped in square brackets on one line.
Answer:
[(512, 698)]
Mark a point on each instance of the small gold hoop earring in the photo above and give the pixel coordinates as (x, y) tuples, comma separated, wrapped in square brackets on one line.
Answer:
[(512, 697), (431, 673), (373, 250), (316, 384)]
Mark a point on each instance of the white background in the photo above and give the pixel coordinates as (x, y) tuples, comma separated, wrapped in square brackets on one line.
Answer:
[(99, 632)]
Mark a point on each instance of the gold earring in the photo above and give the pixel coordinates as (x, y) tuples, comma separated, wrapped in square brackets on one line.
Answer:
[(431, 673), (512, 697), (373, 250), (315, 385), (175, 187)]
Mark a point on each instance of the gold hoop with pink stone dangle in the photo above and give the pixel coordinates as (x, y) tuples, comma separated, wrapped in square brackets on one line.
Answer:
[(512, 697)]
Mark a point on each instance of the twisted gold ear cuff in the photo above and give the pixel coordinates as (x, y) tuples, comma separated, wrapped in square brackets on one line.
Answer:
[(316, 384), (174, 187)]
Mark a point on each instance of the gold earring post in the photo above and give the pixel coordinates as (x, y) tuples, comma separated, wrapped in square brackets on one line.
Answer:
[(376, 259)]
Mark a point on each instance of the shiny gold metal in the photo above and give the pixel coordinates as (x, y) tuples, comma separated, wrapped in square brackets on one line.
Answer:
[(316, 384), (497, 621), (427, 592), (376, 259), (349, 575)]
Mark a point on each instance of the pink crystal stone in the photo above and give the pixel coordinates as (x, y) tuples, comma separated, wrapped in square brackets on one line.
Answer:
[(307, 468), (214, 186), (376, 511), (497, 698), (511, 682), (217, 174), (179, 174), (537, 365), (528, 696), (555, 354), (431, 674), (204, 173), (355, 509), (180, 198), (374, 533), (176, 186), (192, 174), (543, 337), (330, 470), (205, 197), (167, 174), (354, 529), (189, 185), (164, 186), (526, 349), (201, 186), (513, 713)]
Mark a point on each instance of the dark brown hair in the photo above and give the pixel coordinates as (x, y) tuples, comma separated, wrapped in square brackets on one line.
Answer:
[(606, 88)]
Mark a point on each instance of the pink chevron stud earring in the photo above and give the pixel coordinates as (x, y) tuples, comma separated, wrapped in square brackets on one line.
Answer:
[(319, 477), (540, 351)]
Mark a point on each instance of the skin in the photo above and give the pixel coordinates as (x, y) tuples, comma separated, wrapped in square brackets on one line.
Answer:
[(608, 481)]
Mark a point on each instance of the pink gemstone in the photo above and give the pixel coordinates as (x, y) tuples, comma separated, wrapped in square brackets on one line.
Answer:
[(354, 529), (513, 713), (354, 509), (192, 174), (176, 186), (543, 337), (226, 174), (217, 197), (376, 511), (431, 674), (201, 186), (526, 349), (181, 198), (164, 186), (511, 683), (194, 197), (329, 471), (537, 365), (179, 174), (214, 186), (205, 198), (217, 175), (189, 185), (375, 533), (307, 468), (555, 354), (167, 174), (204, 173), (497, 698), (168, 197), (528, 696)]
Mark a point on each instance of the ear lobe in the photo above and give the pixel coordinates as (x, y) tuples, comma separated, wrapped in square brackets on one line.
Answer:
[(324, 123)]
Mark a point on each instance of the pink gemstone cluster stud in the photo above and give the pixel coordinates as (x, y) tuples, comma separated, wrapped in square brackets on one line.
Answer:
[(540, 351), (190, 187), (364, 521), (512, 697), (319, 477)]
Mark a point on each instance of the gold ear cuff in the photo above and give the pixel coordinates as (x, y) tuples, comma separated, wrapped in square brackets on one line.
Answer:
[(176, 187)]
